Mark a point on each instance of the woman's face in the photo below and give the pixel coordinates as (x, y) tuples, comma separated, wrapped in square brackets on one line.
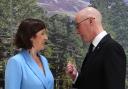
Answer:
[(39, 40)]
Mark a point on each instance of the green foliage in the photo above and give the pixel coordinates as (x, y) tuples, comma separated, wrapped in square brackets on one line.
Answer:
[(4, 13)]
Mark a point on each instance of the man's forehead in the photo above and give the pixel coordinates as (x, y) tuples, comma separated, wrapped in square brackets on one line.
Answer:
[(80, 17), (86, 13)]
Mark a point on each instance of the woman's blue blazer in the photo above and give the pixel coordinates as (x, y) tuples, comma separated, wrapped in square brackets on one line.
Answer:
[(22, 72)]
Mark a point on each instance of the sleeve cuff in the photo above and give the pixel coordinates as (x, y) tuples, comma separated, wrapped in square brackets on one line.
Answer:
[(75, 78)]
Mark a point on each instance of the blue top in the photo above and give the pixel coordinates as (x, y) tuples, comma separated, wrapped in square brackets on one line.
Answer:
[(22, 72)]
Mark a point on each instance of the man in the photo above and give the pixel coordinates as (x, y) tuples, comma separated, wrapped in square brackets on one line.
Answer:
[(104, 66)]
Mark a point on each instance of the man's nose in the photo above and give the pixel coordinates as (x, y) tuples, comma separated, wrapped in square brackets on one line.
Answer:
[(76, 32)]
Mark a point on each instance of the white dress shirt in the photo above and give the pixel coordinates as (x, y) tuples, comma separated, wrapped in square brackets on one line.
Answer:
[(98, 38)]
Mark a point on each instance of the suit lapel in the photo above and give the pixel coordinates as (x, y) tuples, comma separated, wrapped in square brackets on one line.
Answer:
[(101, 44), (35, 68), (91, 57), (99, 47)]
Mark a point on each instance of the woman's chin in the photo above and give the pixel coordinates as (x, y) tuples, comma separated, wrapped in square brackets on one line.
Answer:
[(43, 48)]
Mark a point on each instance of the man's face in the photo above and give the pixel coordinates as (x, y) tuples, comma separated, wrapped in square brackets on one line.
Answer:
[(84, 29)]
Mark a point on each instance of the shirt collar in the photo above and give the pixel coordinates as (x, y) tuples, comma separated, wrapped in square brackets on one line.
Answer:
[(98, 38)]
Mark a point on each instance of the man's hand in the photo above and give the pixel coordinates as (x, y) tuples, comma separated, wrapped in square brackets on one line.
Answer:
[(71, 71)]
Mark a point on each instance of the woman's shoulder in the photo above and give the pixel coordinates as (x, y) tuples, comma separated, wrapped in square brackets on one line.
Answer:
[(18, 58)]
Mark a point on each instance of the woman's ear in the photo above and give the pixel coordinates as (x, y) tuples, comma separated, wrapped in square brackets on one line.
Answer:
[(31, 39)]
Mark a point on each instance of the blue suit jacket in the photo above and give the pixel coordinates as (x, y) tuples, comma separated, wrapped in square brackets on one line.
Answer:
[(22, 72)]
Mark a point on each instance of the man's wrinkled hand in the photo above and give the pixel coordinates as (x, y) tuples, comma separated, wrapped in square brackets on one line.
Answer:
[(71, 71)]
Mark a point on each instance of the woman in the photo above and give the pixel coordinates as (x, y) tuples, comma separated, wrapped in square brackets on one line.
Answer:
[(28, 69)]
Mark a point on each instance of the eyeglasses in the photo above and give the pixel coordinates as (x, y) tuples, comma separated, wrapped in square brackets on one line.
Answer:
[(77, 24)]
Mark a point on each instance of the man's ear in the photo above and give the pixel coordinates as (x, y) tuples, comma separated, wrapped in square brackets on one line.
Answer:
[(91, 20)]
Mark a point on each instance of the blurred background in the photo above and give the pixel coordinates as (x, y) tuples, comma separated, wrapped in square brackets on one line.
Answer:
[(63, 44)]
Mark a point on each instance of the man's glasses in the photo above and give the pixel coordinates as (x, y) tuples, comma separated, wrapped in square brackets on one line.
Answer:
[(77, 24)]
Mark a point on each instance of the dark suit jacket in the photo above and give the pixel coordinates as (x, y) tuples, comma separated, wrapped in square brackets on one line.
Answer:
[(105, 68)]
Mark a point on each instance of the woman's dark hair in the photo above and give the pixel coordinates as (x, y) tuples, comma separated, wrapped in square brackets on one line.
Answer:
[(28, 29)]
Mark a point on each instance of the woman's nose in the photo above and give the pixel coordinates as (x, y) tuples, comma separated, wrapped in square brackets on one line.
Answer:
[(46, 37)]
